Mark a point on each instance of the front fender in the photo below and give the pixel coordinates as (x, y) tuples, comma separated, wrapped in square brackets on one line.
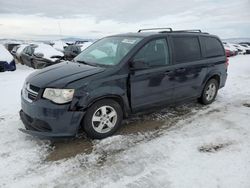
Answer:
[(104, 92)]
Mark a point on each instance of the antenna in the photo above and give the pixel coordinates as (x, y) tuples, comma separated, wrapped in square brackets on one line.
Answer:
[(60, 31)]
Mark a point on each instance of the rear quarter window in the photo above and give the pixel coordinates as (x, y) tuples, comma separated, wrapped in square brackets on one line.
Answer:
[(186, 48), (213, 47)]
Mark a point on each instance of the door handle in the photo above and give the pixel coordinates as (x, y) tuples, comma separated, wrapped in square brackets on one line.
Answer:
[(180, 70)]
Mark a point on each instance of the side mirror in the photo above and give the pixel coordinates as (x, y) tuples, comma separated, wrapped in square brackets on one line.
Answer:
[(39, 55), (138, 65)]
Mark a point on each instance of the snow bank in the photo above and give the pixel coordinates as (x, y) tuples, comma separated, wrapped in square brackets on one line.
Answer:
[(5, 54)]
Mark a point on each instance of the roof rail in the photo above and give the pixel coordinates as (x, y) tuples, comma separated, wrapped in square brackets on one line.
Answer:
[(170, 29), (189, 30)]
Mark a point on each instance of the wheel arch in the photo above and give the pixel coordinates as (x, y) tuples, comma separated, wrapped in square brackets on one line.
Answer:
[(114, 97), (212, 75)]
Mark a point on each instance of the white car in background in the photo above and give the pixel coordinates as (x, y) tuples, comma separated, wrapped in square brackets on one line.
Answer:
[(40, 55), (247, 48), (241, 49), (7, 62)]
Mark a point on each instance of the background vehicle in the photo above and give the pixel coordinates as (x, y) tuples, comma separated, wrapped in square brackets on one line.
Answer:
[(10, 46), (7, 62), (241, 49), (40, 56), (247, 48), (71, 51), (228, 46), (228, 53), (120, 75)]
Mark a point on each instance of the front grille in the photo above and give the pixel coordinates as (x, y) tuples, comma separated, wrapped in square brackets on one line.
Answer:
[(34, 88), (30, 92)]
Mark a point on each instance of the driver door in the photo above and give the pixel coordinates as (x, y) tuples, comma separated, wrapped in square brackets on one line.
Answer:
[(152, 86)]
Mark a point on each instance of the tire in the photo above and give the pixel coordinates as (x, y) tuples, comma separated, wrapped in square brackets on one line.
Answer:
[(97, 124), (207, 96)]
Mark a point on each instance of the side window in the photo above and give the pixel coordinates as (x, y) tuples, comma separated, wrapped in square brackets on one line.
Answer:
[(186, 49), (154, 53), (29, 50), (25, 50), (213, 47)]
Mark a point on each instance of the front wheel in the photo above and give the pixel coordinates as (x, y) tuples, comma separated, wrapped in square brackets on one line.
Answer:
[(102, 119), (209, 92)]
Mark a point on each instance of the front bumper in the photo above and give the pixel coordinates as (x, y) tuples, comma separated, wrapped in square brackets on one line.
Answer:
[(43, 118)]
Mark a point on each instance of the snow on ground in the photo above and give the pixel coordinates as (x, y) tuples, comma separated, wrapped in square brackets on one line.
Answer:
[(207, 147)]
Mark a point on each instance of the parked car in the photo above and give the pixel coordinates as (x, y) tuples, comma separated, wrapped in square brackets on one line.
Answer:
[(228, 46), (247, 43), (10, 46), (241, 49), (144, 71), (246, 47), (71, 51), (81, 41), (40, 55), (7, 62), (228, 53)]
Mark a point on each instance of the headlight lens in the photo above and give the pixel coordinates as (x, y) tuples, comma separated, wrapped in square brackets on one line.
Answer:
[(59, 96)]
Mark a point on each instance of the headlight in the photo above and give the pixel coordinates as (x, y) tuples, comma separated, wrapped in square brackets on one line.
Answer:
[(59, 96)]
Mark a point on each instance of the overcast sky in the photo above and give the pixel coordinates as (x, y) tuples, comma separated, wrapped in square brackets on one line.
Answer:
[(47, 19)]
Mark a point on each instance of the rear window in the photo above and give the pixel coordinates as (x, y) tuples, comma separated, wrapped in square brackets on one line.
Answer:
[(213, 47), (186, 49)]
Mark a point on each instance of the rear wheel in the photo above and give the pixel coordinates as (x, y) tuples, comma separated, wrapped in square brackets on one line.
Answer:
[(209, 92), (102, 119)]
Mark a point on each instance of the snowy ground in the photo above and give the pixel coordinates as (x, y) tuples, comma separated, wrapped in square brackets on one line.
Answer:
[(191, 146)]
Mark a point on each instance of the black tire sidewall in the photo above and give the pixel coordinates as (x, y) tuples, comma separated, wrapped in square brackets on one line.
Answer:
[(87, 121), (203, 97)]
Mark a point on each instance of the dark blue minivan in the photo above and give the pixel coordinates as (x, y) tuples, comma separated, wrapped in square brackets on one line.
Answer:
[(120, 75)]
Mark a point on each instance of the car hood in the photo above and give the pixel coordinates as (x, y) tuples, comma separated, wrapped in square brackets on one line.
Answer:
[(61, 74)]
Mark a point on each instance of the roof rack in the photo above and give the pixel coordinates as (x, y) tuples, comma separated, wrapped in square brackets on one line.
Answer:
[(170, 29), (190, 30)]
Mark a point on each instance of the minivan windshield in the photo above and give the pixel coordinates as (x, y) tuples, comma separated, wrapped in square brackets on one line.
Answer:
[(107, 51)]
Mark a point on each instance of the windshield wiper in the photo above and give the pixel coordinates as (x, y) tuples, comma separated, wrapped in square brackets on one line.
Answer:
[(83, 62)]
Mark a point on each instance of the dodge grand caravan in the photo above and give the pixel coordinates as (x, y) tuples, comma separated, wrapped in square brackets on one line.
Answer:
[(119, 75)]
